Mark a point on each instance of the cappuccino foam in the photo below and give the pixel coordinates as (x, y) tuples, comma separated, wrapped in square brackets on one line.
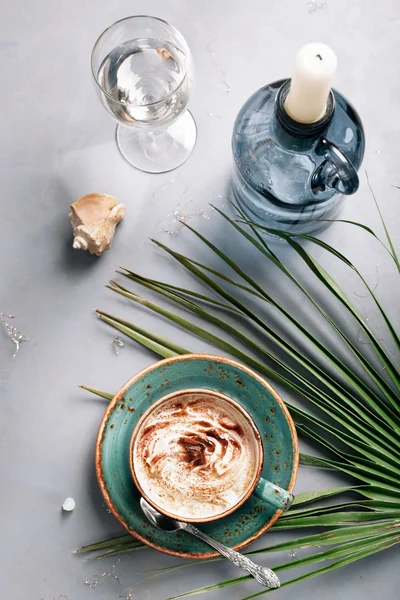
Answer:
[(196, 455)]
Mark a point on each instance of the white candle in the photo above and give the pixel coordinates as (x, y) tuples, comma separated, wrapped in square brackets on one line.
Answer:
[(314, 67)]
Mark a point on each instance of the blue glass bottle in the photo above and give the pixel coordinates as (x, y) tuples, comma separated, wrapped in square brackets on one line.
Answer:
[(289, 175)]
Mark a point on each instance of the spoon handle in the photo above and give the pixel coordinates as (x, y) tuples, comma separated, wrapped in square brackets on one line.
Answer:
[(263, 575)]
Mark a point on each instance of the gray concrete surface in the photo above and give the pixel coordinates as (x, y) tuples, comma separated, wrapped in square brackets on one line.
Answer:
[(57, 143)]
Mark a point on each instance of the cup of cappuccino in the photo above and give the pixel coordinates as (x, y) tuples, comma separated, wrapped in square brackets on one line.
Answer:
[(197, 455)]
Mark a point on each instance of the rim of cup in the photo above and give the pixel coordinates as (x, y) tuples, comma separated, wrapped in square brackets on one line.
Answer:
[(105, 31), (258, 444)]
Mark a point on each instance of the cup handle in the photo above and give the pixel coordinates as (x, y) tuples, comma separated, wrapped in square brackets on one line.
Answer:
[(273, 494)]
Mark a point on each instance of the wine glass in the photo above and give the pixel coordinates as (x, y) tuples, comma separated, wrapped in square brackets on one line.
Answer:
[(143, 70)]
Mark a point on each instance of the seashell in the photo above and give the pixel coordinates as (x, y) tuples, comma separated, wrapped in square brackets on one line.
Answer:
[(94, 218)]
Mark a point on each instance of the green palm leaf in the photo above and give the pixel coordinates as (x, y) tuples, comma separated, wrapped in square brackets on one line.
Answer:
[(351, 552), (355, 420), (329, 282), (389, 239)]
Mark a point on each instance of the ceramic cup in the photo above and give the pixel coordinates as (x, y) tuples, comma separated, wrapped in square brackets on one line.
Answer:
[(193, 434)]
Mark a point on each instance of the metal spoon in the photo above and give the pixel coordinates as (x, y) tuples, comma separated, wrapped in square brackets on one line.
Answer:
[(262, 574)]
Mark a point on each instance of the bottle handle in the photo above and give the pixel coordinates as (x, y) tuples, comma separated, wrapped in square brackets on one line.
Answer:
[(273, 494), (336, 171)]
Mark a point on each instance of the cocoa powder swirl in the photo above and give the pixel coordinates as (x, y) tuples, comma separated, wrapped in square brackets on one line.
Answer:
[(196, 455)]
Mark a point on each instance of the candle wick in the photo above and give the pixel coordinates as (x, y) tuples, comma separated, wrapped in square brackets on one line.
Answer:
[(319, 56)]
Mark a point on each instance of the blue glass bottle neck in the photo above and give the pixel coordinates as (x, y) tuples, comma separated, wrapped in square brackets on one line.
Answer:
[(294, 135)]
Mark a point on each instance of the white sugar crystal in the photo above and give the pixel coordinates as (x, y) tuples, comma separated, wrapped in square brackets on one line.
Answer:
[(68, 504)]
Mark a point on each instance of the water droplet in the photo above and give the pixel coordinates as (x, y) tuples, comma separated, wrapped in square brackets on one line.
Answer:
[(12, 332), (10, 340), (219, 201), (172, 189), (316, 5), (182, 214), (363, 338), (210, 114), (112, 572), (92, 584), (373, 288), (99, 579), (216, 63), (117, 344), (128, 595)]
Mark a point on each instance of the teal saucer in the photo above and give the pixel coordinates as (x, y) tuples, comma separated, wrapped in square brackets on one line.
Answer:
[(191, 371)]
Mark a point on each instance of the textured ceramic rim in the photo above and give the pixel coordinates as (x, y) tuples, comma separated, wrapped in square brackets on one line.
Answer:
[(120, 394), (257, 438)]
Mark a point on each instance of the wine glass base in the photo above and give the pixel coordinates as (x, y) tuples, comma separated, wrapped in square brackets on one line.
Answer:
[(158, 151)]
